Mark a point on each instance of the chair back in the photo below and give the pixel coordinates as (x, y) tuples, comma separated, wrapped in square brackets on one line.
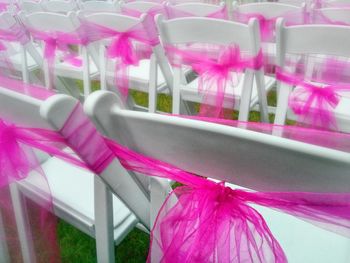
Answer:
[(222, 152)]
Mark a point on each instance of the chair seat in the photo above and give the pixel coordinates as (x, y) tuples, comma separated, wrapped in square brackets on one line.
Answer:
[(67, 70), (16, 61), (72, 190), (303, 242), (139, 76), (190, 92)]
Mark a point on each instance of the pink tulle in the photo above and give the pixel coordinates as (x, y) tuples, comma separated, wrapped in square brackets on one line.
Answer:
[(55, 41), (320, 18), (314, 103), (153, 11), (190, 223), (174, 12), (128, 47), (34, 91), (217, 68), (81, 135), (267, 25)]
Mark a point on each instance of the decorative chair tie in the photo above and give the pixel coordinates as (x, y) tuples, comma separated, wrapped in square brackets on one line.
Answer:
[(267, 32), (313, 102), (173, 12), (61, 41), (190, 224), (151, 12), (217, 68), (16, 33), (125, 50)]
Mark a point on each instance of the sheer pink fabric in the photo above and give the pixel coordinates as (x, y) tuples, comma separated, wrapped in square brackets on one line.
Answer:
[(128, 47), (60, 41), (34, 91), (218, 67), (175, 12), (159, 9), (16, 33), (267, 32), (320, 82), (190, 223)]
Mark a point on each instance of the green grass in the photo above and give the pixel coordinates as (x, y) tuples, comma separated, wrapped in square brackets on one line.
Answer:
[(78, 247)]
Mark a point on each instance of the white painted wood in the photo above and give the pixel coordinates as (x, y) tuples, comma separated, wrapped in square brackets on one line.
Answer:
[(100, 6)]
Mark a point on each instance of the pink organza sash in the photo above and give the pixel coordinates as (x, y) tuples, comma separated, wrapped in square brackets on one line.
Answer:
[(313, 102), (174, 12), (151, 12), (18, 164), (217, 67), (34, 91), (127, 47), (267, 25), (60, 41), (81, 135), (15, 33), (190, 223)]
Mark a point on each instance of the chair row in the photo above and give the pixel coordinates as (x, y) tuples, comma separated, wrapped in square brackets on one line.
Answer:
[(206, 149), (247, 91)]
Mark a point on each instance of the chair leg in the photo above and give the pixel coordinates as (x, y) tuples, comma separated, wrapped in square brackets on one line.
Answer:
[(152, 93), (104, 227), (22, 223), (260, 85), (86, 73), (176, 91), (4, 253), (246, 95), (159, 190), (103, 71), (282, 104)]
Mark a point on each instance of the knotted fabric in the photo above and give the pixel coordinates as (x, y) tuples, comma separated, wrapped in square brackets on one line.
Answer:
[(190, 224), (60, 41), (128, 47), (205, 221), (316, 97), (15, 33), (218, 67)]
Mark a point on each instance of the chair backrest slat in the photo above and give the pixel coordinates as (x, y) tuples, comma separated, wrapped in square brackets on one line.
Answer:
[(250, 159)]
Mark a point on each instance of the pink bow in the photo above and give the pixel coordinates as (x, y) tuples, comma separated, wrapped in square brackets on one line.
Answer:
[(215, 74), (124, 50), (312, 101), (60, 41)]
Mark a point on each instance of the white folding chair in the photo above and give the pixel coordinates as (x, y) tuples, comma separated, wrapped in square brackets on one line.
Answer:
[(100, 6), (214, 31), (144, 198), (60, 6), (22, 57), (51, 23), (78, 195), (307, 40), (244, 158), (146, 77)]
